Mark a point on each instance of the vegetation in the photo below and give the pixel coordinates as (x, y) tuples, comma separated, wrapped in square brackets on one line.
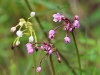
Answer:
[(19, 62)]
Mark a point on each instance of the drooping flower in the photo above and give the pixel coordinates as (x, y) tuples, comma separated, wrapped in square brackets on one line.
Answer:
[(67, 40), (17, 42), (29, 48), (38, 69), (12, 29), (31, 39), (32, 14), (76, 24), (51, 34), (57, 17), (19, 33)]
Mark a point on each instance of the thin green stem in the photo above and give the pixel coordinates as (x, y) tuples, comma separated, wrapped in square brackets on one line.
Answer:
[(27, 3), (34, 64), (52, 66), (35, 37), (79, 62)]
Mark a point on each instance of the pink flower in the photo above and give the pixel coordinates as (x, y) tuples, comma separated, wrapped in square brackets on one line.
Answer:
[(29, 48), (50, 52), (46, 46), (67, 40), (70, 29), (76, 24), (51, 34), (66, 26), (51, 37), (76, 17), (38, 69), (57, 17)]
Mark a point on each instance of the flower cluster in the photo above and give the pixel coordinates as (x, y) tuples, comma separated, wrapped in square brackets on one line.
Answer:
[(27, 30), (68, 26), (32, 43), (46, 47)]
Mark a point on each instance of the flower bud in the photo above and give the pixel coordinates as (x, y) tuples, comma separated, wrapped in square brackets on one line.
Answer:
[(76, 24), (76, 17), (19, 33), (17, 43), (50, 52), (32, 14), (29, 47), (31, 39), (38, 69), (58, 56), (12, 29), (67, 40)]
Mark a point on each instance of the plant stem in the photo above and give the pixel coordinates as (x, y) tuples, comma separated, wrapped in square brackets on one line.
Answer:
[(27, 3), (78, 56), (52, 66), (34, 64)]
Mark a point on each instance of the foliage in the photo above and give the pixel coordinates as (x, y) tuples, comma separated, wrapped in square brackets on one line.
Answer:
[(18, 62)]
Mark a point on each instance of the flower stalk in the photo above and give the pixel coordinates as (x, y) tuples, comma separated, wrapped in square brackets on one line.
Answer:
[(78, 56)]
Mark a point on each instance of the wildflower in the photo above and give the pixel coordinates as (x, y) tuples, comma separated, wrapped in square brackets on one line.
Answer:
[(38, 69), (31, 39), (67, 40), (29, 48), (12, 29), (46, 46), (76, 24), (51, 34), (19, 33), (32, 14), (66, 26), (57, 17), (17, 42)]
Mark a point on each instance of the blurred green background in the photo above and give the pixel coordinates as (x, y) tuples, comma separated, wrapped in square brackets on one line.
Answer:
[(18, 62)]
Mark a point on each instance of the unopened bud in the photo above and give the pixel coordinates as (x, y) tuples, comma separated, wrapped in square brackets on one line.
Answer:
[(32, 14), (12, 29)]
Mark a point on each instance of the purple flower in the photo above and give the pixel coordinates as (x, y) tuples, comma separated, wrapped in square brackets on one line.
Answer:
[(76, 24), (66, 26), (67, 40), (29, 48), (38, 69), (46, 46), (57, 17), (51, 34)]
